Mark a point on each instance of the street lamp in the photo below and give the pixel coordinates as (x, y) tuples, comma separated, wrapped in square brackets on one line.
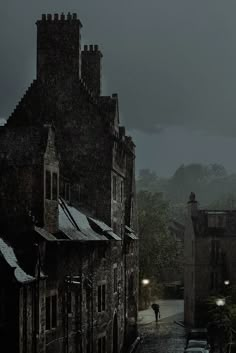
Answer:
[(145, 291), (220, 302), (226, 282), (145, 281)]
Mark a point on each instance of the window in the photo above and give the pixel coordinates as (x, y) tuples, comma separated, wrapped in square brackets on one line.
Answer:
[(131, 211), (101, 345), (69, 303), (88, 299), (54, 186), (121, 229), (214, 280), (51, 312), (48, 313), (215, 251), (121, 191), (2, 305), (101, 297), (114, 187), (88, 344), (54, 311), (48, 185), (67, 192), (115, 273), (115, 228)]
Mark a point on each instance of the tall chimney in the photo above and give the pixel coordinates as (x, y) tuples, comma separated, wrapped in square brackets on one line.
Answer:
[(91, 68), (192, 205), (58, 47)]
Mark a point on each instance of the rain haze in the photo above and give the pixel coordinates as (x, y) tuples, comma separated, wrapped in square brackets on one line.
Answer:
[(171, 62)]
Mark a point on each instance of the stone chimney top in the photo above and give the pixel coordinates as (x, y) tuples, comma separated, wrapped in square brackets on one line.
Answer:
[(192, 197), (192, 205)]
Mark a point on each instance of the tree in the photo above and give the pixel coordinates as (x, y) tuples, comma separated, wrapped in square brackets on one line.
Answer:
[(158, 250)]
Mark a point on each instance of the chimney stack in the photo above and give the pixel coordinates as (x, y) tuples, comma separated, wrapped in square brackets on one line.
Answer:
[(192, 205), (58, 47), (91, 68)]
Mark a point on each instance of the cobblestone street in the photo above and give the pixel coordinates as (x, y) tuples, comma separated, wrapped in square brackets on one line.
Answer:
[(166, 336)]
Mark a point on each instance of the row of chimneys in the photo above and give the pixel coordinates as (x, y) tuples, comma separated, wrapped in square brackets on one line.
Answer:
[(57, 17), (91, 47)]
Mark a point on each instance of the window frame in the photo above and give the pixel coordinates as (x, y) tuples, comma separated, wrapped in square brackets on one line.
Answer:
[(102, 344), (101, 297), (114, 187), (115, 278), (51, 312), (54, 186), (48, 185)]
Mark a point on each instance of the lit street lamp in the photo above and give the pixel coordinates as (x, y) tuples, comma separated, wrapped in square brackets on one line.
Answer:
[(145, 292), (220, 302), (145, 281)]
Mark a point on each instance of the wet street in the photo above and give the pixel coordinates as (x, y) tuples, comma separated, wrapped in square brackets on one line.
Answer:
[(166, 336)]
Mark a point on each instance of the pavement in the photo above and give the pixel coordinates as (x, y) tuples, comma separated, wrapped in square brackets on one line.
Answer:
[(168, 308), (167, 335)]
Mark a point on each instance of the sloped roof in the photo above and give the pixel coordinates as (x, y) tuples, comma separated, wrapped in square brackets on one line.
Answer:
[(75, 224), (104, 228), (7, 253), (130, 233)]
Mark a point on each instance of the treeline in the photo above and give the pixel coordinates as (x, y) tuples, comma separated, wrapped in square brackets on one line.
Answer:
[(213, 186)]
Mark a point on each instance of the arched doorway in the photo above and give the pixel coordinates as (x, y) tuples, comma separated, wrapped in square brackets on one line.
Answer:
[(115, 334)]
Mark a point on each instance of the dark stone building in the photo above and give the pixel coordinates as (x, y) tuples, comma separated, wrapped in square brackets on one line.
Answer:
[(209, 258), (68, 241)]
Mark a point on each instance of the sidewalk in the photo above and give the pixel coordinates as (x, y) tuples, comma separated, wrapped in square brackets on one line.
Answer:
[(168, 308)]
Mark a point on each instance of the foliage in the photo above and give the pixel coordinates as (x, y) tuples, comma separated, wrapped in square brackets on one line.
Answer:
[(158, 250)]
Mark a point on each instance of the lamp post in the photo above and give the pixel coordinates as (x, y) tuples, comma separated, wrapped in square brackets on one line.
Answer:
[(220, 302), (226, 287), (145, 282)]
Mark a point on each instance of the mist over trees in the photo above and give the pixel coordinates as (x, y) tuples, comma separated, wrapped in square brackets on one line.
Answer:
[(213, 186)]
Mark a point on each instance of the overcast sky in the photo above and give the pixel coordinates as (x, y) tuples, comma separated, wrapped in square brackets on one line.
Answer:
[(172, 62)]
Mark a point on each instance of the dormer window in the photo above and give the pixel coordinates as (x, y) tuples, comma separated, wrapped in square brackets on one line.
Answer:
[(48, 185)]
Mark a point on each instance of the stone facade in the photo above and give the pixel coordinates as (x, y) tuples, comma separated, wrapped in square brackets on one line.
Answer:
[(68, 205), (209, 257)]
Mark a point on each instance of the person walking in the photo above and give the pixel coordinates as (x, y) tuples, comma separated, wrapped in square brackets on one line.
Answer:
[(156, 309)]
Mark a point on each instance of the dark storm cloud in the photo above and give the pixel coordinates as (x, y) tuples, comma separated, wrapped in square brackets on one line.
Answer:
[(171, 61)]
